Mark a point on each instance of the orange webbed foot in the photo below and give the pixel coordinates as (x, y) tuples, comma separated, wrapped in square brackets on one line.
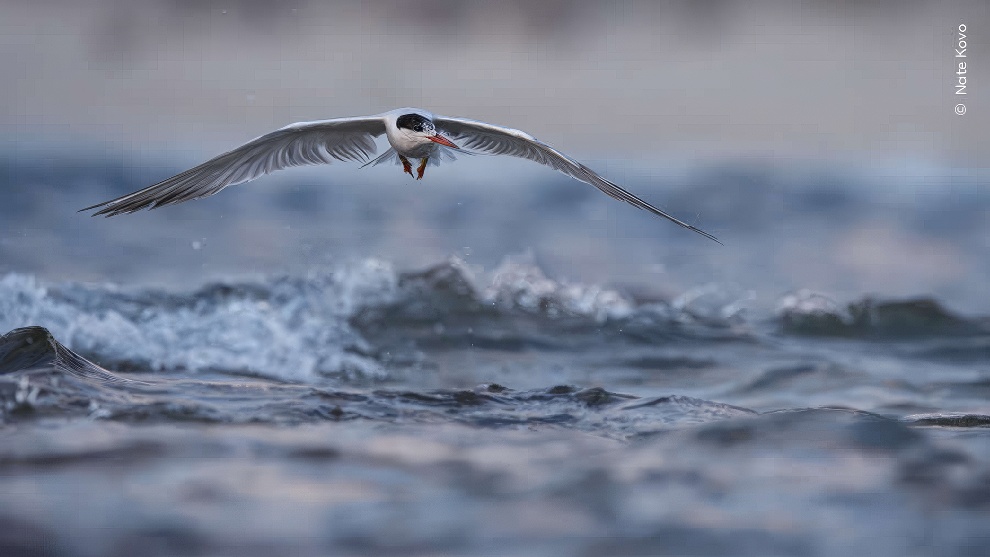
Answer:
[(422, 168), (407, 166)]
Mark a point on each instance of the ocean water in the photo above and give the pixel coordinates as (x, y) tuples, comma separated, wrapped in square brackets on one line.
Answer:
[(436, 369)]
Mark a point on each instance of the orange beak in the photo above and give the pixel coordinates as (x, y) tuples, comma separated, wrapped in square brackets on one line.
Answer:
[(443, 141)]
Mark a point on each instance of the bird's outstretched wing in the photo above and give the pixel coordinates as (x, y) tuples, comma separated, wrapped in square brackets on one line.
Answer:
[(304, 143), (497, 140)]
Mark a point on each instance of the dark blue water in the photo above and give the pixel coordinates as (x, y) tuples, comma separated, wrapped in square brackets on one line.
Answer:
[(496, 363)]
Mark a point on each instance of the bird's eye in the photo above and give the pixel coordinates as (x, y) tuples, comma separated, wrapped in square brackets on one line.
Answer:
[(418, 127)]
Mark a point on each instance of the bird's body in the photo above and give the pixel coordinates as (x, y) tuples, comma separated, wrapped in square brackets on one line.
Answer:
[(408, 132), (407, 139), (412, 133)]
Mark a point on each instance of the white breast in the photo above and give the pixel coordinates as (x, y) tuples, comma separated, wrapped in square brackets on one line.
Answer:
[(403, 141)]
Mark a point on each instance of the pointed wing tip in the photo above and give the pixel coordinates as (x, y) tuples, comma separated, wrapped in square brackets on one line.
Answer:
[(658, 212), (707, 235), (100, 212), (105, 210), (96, 213)]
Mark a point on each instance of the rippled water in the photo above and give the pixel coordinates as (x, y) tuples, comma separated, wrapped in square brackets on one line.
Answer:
[(299, 368), (364, 410)]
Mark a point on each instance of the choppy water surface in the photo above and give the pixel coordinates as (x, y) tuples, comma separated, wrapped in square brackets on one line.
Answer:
[(364, 410), (357, 368)]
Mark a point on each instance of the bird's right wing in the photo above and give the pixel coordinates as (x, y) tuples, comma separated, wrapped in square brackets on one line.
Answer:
[(304, 143), (498, 140)]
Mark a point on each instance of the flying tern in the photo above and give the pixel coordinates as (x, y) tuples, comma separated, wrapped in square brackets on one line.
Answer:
[(412, 133)]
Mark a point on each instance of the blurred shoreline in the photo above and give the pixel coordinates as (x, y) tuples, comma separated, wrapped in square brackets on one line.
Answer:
[(767, 79)]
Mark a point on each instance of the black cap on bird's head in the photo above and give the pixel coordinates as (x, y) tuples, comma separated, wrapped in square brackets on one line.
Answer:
[(414, 122), (421, 124)]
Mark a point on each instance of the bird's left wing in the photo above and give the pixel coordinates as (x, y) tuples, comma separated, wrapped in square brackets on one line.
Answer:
[(498, 140), (304, 143)]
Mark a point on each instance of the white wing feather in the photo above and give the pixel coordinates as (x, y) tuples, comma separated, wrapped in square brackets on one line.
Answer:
[(497, 140), (304, 143)]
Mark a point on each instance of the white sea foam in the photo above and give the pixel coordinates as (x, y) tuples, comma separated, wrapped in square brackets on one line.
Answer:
[(289, 328)]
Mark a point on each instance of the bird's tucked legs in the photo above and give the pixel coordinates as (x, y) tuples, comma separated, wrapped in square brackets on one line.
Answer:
[(422, 168), (407, 166)]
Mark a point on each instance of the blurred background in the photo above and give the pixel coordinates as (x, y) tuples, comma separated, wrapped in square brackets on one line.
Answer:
[(817, 139), (498, 359)]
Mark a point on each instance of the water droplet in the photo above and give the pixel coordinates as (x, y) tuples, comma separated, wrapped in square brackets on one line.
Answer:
[(197, 245)]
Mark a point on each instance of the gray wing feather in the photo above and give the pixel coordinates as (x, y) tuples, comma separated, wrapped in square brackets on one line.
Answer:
[(301, 144), (497, 140)]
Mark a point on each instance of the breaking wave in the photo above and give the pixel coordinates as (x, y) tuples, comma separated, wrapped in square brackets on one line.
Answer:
[(363, 320)]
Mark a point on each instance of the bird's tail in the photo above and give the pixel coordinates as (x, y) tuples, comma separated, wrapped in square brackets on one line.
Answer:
[(383, 158), (446, 154), (443, 155)]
